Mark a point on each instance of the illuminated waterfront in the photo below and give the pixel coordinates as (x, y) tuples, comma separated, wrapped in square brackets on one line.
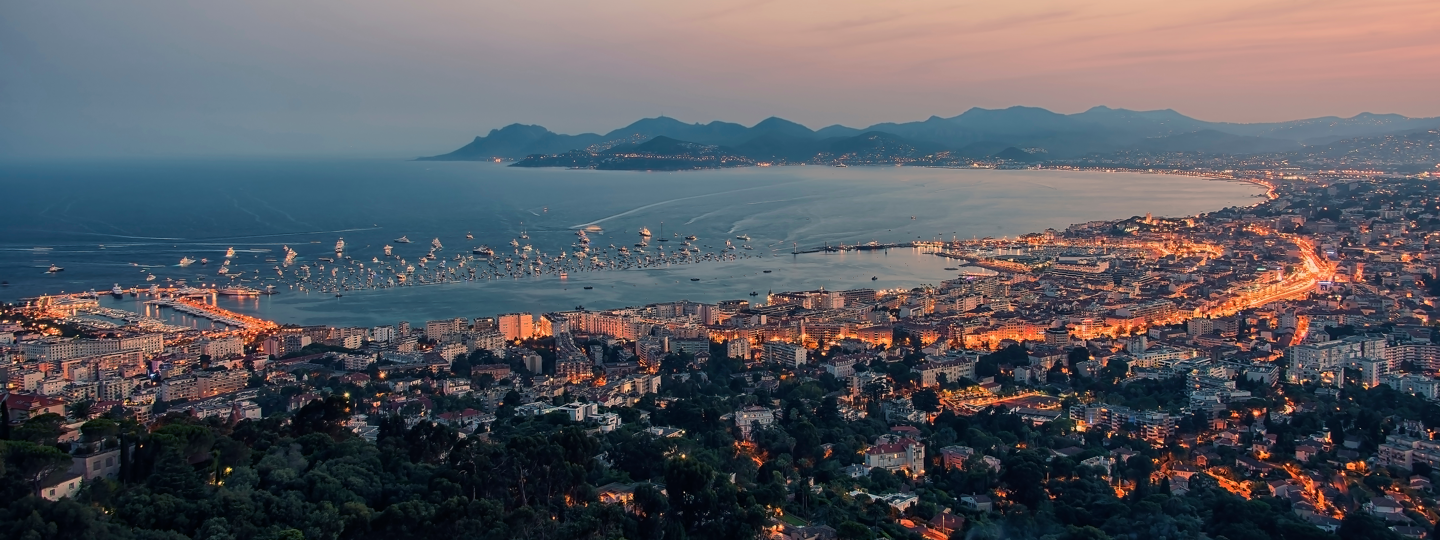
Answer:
[(70, 216)]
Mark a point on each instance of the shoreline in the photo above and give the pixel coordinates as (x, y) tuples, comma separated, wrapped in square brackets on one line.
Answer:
[(817, 247)]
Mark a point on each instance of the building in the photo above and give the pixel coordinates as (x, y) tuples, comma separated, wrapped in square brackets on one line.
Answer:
[(26, 406), (751, 419), (516, 326), (738, 348), (952, 370), (894, 453), (224, 347), (214, 383), (784, 354)]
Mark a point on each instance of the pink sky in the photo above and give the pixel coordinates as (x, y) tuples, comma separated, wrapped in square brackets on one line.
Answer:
[(354, 75)]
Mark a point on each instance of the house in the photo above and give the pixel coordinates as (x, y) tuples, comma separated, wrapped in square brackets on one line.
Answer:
[(99, 464), (895, 453), (978, 502), (953, 457), (1304, 452), (751, 419), (26, 406), (60, 485), (1384, 507)]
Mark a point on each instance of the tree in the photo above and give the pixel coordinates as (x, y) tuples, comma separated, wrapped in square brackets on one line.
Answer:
[(853, 530), (4, 421), (926, 400), (33, 462), (41, 429)]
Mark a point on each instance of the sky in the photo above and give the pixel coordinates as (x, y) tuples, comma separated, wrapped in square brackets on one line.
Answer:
[(148, 78)]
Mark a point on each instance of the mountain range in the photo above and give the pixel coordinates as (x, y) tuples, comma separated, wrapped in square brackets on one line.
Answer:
[(1015, 133)]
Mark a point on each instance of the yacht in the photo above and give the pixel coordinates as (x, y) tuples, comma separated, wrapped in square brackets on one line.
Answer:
[(644, 232), (117, 292), (150, 277), (436, 244), (744, 237), (387, 250), (691, 238), (340, 245), (238, 291), (186, 261), (469, 236), (483, 251), (53, 269), (229, 252), (402, 240), (204, 261)]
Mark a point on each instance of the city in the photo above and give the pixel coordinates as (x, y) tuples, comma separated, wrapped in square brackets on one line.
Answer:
[(722, 270), (1282, 352)]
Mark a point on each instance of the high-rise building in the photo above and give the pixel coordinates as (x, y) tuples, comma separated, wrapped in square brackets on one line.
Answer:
[(516, 326)]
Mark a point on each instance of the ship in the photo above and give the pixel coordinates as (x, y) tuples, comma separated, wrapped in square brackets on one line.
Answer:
[(387, 250), (238, 291), (186, 261), (117, 292), (53, 269), (691, 238), (483, 251), (744, 237), (436, 244), (339, 245), (229, 252), (469, 236), (402, 240), (644, 232)]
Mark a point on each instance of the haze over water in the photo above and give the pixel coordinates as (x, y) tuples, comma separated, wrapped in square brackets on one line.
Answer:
[(154, 213)]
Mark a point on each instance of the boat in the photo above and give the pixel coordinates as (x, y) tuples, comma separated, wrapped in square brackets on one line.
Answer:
[(387, 250), (483, 251), (694, 279), (117, 292), (238, 291), (524, 235), (53, 269), (402, 240), (587, 287), (564, 275), (644, 232), (691, 238), (873, 278), (204, 262), (469, 236), (767, 271), (339, 245), (753, 293), (223, 270), (186, 261), (744, 237), (150, 277), (436, 244)]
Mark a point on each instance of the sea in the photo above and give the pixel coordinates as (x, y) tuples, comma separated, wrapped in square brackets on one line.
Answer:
[(110, 223)]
